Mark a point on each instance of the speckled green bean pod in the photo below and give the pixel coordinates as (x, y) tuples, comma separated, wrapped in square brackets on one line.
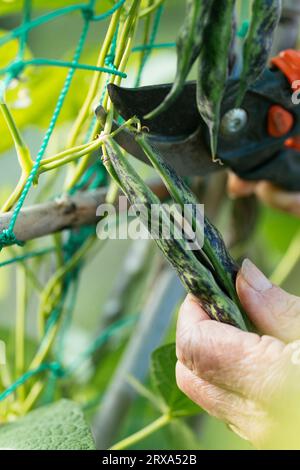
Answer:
[(196, 278), (189, 43), (258, 43), (214, 246), (213, 66)]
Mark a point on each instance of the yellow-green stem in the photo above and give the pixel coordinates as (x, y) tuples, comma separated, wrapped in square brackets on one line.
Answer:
[(21, 302), (150, 9), (143, 433), (13, 198), (32, 396), (57, 238), (30, 275), (146, 33), (65, 153), (288, 262), (48, 296), (125, 38), (45, 347), (22, 150), (93, 89)]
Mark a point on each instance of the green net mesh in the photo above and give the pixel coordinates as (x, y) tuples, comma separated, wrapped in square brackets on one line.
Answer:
[(93, 177)]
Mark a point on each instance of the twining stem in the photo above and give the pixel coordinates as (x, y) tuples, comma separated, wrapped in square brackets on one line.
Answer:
[(21, 300), (30, 275), (144, 52), (125, 40), (32, 396), (121, 62), (14, 196), (23, 154), (159, 423), (5, 375), (5, 381), (127, 30), (45, 346), (52, 331), (288, 262), (124, 47), (75, 153), (150, 9), (71, 158), (66, 153), (93, 89), (58, 243), (22, 150), (53, 288), (50, 335)]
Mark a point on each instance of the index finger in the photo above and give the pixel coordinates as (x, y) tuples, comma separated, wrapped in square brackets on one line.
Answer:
[(278, 198)]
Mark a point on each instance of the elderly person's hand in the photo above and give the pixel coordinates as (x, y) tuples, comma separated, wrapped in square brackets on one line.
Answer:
[(250, 381), (267, 192)]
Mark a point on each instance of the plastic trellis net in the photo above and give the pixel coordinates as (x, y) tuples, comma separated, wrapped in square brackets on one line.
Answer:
[(122, 18)]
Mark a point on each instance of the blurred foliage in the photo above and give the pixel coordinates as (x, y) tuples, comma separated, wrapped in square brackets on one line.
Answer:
[(8, 7), (32, 100), (278, 229), (163, 376), (37, 93), (10, 50)]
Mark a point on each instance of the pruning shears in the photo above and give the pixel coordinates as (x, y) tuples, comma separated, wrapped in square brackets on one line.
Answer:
[(258, 141)]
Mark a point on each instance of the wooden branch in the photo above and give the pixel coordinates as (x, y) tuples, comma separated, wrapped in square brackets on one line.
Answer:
[(62, 213)]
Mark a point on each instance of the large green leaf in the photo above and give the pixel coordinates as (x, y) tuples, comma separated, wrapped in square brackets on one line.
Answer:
[(59, 426), (163, 375)]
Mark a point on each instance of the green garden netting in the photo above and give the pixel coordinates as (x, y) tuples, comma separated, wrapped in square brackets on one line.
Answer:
[(75, 240)]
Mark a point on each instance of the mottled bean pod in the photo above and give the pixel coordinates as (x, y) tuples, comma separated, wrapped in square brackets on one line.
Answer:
[(214, 66), (214, 247), (258, 43), (189, 43), (196, 278)]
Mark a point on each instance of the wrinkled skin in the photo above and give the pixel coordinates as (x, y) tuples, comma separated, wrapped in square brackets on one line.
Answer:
[(250, 381)]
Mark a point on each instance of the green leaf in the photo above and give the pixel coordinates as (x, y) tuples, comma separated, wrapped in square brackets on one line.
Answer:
[(59, 426), (163, 375)]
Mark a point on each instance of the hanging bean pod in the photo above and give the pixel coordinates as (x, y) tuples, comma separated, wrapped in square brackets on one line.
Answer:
[(189, 43), (196, 278), (213, 66), (258, 43), (213, 247)]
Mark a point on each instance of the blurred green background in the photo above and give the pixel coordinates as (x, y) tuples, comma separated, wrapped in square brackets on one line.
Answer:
[(32, 102)]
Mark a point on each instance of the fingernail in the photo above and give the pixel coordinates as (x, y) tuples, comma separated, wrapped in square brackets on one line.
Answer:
[(237, 431), (254, 277)]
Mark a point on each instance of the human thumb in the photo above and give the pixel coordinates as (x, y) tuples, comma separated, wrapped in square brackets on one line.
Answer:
[(273, 311)]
